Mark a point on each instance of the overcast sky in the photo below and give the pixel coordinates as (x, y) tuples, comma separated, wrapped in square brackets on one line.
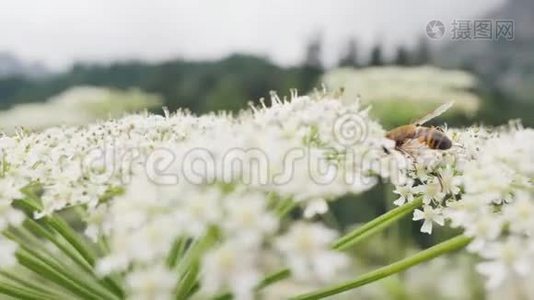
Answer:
[(59, 32)]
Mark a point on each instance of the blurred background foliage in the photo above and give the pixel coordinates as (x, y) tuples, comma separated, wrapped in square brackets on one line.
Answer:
[(77, 106), (407, 90), (199, 86), (401, 94), (490, 81)]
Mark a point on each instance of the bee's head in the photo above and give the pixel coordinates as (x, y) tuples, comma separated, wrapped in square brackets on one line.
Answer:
[(445, 143)]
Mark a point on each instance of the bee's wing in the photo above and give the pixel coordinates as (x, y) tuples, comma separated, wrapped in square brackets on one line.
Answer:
[(413, 147), (438, 111)]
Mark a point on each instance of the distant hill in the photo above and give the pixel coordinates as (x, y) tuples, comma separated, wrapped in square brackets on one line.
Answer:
[(505, 65), (506, 68), (198, 86), (11, 66)]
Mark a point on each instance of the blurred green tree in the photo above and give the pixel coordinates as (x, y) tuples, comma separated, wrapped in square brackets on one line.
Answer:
[(350, 56), (376, 56), (402, 57), (312, 57), (422, 54)]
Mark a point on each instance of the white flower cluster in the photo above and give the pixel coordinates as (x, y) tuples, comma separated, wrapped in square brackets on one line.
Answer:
[(432, 176), (483, 185), (497, 209), (178, 197), (423, 86), (77, 106), (149, 183)]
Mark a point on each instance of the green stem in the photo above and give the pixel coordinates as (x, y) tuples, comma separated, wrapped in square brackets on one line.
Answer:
[(29, 284), (375, 225), (82, 254), (19, 292), (352, 238), (72, 237), (69, 234), (48, 267), (187, 282), (450, 245), (195, 251), (186, 266), (36, 265), (177, 250), (273, 277), (285, 207), (39, 230), (78, 277)]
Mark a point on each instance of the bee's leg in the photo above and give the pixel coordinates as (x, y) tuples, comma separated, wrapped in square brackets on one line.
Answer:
[(386, 150), (440, 181), (407, 154)]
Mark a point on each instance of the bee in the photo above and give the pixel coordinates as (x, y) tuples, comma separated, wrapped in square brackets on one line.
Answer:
[(412, 137)]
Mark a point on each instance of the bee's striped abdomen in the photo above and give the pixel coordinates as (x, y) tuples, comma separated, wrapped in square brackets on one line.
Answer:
[(433, 138)]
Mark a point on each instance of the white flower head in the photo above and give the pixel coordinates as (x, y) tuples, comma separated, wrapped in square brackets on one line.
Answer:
[(505, 259), (406, 193), (429, 215), (231, 266), (248, 218), (450, 183), (156, 282), (431, 191), (306, 248), (315, 207)]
